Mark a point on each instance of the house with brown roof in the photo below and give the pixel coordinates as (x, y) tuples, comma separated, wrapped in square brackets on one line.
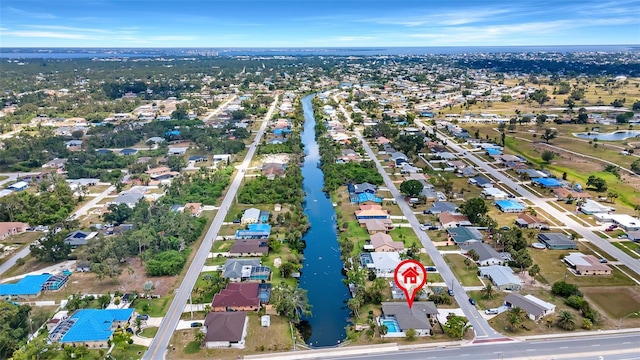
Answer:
[(371, 211), (529, 221), (157, 171), (248, 247), (449, 220), (237, 297), (225, 329), (381, 140), (271, 170), (12, 228), (382, 242), (194, 208), (376, 225), (583, 264), (565, 194)]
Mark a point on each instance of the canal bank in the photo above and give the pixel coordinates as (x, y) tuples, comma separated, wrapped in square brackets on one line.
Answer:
[(322, 268)]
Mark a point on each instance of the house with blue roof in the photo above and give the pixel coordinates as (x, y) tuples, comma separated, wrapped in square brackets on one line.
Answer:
[(254, 231), (172, 133), (510, 206), (547, 182), (198, 158), (92, 328), (28, 287), (128, 151)]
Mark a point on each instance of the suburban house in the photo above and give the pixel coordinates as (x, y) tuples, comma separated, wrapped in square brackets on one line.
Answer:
[(55, 163), (130, 198), (237, 297), (557, 241), (249, 248), (79, 238), (364, 188), (582, 264), (509, 206), (494, 193), (12, 228), (19, 186), (398, 158), (271, 170), (384, 263), (406, 168), (535, 308), (487, 255), (382, 242), (177, 151), (398, 318), (626, 222), (442, 206), (480, 181), (194, 208), (371, 212), (250, 216), (254, 231), (377, 225), (237, 270), (501, 276), (449, 220), (225, 329), (464, 235), (529, 221), (564, 194), (198, 158), (27, 287), (73, 144), (92, 328), (591, 207), (157, 171)]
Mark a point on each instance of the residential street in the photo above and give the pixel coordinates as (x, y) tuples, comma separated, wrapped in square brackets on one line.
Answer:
[(170, 321)]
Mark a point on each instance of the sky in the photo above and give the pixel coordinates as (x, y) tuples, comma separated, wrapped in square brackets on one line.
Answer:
[(316, 23)]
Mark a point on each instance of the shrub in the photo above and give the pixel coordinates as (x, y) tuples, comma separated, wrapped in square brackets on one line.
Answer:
[(565, 289)]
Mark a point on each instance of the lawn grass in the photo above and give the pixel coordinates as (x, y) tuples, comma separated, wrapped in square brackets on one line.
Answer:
[(154, 307), (405, 234), (629, 247), (468, 276), (149, 332), (616, 302), (126, 351), (484, 303), (221, 246)]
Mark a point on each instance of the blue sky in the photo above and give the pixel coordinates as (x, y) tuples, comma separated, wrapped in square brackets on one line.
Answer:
[(316, 23)]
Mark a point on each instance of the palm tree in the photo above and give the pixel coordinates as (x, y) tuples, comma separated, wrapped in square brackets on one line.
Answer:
[(383, 330), (137, 324), (488, 291), (354, 305), (566, 320), (515, 317), (199, 337)]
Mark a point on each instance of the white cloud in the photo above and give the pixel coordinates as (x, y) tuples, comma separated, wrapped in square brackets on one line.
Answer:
[(44, 34), (30, 14)]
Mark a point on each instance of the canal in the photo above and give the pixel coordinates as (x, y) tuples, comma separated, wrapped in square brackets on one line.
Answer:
[(322, 269)]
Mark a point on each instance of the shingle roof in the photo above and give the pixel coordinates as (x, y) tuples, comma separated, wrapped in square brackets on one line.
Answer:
[(233, 267), (414, 318), (237, 295), (225, 326), (484, 251)]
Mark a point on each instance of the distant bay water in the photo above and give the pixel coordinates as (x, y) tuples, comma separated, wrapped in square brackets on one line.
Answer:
[(71, 53)]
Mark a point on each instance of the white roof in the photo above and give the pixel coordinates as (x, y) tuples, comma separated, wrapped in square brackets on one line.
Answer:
[(385, 260), (501, 275), (577, 258), (19, 184), (494, 192), (251, 213), (544, 304), (623, 219)]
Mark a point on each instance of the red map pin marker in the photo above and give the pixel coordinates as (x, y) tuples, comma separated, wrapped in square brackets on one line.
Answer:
[(410, 277)]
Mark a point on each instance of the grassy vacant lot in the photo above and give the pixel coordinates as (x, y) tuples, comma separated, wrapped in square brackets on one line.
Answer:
[(467, 275), (221, 245), (154, 307), (485, 303), (149, 332), (275, 338), (627, 301), (629, 247), (553, 269), (405, 234)]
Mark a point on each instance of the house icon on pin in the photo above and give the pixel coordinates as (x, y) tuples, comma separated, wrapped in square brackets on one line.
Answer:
[(410, 275)]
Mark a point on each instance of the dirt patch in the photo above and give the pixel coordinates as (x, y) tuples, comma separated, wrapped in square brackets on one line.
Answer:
[(529, 283), (134, 276)]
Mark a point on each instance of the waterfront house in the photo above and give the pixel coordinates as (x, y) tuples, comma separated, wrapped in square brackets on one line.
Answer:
[(372, 211), (382, 242), (225, 329), (398, 318), (377, 225), (254, 231), (237, 270), (250, 216), (384, 263), (249, 248), (237, 297)]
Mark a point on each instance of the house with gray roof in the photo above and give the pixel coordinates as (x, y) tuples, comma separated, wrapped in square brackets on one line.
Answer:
[(237, 270), (464, 235), (225, 329), (364, 187), (130, 198), (419, 317), (535, 308), (487, 255), (440, 207), (501, 276), (557, 241), (384, 263)]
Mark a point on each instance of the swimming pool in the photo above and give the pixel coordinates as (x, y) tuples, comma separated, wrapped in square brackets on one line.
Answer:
[(392, 325)]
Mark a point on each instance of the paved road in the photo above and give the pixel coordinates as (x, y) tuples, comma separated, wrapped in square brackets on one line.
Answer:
[(480, 325), (609, 347), (605, 245), (222, 106), (9, 263), (158, 346)]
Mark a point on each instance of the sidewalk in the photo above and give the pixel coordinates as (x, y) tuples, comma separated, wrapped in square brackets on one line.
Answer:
[(576, 334)]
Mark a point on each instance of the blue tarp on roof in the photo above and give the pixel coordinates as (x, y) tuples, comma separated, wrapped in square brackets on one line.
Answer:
[(547, 182), (29, 285), (95, 324), (172, 132)]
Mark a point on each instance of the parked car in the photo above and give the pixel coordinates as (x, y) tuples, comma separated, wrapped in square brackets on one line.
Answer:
[(431, 269), (130, 330), (143, 317), (603, 260), (196, 324), (450, 292), (471, 301), (236, 221), (423, 228), (491, 311)]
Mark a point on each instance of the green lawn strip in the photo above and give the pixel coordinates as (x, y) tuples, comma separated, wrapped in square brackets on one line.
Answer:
[(126, 351), (628, 247), (406, 235), (222, 246), (468, 276), (496, 300), (154, 307), (149, 332)]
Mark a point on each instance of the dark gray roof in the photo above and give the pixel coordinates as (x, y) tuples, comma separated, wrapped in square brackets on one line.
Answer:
[(555, 239), (525, 304), (364, 187), (484, 251), (414, 318), (443, 206), (225, 326)]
